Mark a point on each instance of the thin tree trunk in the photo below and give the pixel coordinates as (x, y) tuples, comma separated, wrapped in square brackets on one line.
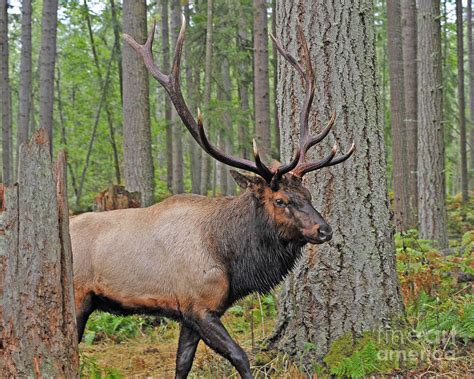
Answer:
[(116, 26), (63, 130), (243, 83), (317, 304), (24, 102), (471, 87), (101, 83), (94, 130), (166, 68), (5, 96), (461, 99), (192, 85), (139, 174), (411, 104), (207, 95), (431, 209), (261, 81), (40, 337), (276, 126), (228, 134), (47, 61), (177, 125)]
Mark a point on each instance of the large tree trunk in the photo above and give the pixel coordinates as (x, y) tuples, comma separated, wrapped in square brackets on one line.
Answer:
[(136, 107), (349, 285), (24, 102), (47, 60), (205, 164), (431, 209), (471, 88), (260, 78), (165, 43), (177, 125), (397, 115), (411, 104), (5, 96), (39, 337), (461, 99)]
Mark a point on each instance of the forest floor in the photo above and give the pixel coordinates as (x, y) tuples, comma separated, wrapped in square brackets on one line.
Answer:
[(439, 300)]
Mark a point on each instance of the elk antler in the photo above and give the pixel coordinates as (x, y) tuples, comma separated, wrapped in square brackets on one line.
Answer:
[(301, 167), (172, 86)]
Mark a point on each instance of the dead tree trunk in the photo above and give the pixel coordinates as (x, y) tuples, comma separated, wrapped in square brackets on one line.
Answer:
[(39, 337)]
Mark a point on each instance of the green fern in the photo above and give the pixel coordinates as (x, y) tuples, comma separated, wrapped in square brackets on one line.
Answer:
[(359, 364)]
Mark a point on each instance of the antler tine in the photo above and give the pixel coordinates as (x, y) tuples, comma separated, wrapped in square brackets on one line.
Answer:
[(259, 162), (146, 53), (241, 163), (327, 161), (311, 166)]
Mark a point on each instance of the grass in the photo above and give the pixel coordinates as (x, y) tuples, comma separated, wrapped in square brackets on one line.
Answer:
[(439, 305)]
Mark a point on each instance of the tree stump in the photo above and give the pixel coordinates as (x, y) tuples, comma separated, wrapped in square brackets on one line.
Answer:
[(116, 197), (39, 337)]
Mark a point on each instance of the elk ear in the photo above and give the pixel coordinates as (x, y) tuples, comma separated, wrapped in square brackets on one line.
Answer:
[(246, 181)]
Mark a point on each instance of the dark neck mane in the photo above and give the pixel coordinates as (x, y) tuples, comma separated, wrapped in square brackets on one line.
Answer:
[(245, 240)]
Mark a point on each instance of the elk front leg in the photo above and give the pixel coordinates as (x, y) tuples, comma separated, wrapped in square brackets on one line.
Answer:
[(188, 341), (215, 335)]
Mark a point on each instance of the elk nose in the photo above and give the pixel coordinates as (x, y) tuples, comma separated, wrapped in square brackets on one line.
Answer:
[(325, 233)]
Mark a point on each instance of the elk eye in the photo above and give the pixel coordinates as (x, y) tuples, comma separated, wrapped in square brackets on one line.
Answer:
[(280, 203)]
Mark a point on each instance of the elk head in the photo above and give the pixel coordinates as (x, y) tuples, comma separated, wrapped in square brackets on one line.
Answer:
[(279, 189)]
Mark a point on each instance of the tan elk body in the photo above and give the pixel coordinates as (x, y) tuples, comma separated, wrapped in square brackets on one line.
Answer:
[(191, 257)]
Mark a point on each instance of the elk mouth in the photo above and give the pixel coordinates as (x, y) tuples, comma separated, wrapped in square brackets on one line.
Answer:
[(314, 240)]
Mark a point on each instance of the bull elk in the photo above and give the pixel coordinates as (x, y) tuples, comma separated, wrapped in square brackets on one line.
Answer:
[(191, 257)]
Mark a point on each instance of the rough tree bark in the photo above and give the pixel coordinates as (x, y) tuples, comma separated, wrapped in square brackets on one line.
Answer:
[(5, 96), (205, 163), (47, 60), (165, 43), (397, 115), (176, 123), (136, 107), (40, 338), (260, 79), (349, 285), (24, 101), (471, 88), (461, 99), (431, 209), (411, 103)]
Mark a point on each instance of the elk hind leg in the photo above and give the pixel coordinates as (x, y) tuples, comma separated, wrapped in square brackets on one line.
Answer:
[(84, 308), (188, 342), (215, 335)]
